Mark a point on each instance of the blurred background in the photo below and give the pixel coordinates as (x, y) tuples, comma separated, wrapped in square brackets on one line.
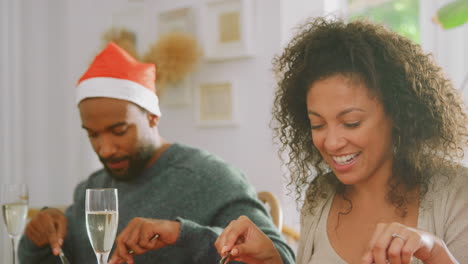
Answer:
[(218, 99)]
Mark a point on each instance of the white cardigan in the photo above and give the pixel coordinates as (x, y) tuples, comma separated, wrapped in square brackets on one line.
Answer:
[(443, 212)]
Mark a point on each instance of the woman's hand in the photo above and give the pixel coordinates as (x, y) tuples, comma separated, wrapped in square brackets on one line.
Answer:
[(142, 235), (247, 243), (398, 244)]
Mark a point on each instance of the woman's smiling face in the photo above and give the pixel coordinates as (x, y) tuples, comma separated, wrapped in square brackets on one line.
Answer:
[(350, 128)]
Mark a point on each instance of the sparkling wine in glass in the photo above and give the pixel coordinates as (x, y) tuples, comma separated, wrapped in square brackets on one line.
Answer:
[(14, 201), (102, 217)]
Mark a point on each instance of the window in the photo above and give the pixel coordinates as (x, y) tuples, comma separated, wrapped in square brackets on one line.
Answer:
[(401, 16)]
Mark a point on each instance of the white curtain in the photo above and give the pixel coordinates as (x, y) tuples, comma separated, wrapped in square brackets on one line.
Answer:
[(10, 117)]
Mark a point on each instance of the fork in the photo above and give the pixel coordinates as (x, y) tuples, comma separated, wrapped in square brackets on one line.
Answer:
[(63, 258), (156, 236), (225, 259)]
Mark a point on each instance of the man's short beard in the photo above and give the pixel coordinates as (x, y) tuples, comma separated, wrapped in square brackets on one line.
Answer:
[(136, 164)]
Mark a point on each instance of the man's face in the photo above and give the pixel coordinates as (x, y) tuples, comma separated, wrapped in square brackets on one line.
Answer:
[(120, 134)]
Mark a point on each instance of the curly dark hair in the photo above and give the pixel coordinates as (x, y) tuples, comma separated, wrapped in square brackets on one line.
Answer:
[(428, 115)]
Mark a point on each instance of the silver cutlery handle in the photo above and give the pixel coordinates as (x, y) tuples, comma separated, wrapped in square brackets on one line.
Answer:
[(63, 258)]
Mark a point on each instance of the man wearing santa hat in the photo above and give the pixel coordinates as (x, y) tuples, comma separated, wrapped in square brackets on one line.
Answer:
[(174, 200)]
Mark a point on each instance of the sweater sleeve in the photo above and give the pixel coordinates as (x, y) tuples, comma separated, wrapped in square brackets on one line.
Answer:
[(28, 252), (200, 239), (227, 195)]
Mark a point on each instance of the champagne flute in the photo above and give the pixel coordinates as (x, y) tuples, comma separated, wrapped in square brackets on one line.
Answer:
[(102, 217), (14, 202)]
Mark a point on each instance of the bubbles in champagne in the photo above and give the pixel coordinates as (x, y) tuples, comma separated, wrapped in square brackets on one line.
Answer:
[(102, 228), (14, 216)]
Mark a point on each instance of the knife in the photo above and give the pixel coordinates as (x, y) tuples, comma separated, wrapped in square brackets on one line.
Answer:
[(63, 258)]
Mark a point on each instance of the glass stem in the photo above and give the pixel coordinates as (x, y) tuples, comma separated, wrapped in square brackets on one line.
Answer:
[(102, 258), (13, 249)]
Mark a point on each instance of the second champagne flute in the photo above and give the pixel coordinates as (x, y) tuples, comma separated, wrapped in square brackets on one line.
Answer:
[(14, 200), (102, 217)]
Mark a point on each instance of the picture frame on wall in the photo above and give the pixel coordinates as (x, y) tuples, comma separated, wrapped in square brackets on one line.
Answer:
[(176, 20), (228, 29), (216, 105)]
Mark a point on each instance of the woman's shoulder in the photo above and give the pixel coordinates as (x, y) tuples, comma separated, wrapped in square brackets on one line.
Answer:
[(446, 190), (448, 179), (446, 209), (325, 189), (311, 213)]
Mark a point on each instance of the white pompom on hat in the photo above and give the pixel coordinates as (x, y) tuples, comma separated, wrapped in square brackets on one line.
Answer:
[(116, 74)]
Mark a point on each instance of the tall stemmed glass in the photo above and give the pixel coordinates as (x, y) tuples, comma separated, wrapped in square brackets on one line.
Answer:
[(14, 200), (102, 217)]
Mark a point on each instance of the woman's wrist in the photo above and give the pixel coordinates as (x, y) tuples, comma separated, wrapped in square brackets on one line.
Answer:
[(441, 254), (276, 259)]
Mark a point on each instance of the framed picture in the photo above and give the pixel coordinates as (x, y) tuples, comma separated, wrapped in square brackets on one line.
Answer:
[(228, 28), (216, 105), (177, 20)]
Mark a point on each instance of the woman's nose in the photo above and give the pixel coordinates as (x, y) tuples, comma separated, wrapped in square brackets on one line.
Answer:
[(334, 140)]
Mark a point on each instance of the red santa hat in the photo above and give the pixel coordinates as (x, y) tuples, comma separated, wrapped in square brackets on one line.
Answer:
[(116, 74)]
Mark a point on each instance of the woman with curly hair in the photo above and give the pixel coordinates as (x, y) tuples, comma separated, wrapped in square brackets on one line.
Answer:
[(373, 134)]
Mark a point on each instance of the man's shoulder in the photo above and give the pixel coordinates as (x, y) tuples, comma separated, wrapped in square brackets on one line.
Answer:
[(94, 177), (198, 158), (183, 151), (203, 163)]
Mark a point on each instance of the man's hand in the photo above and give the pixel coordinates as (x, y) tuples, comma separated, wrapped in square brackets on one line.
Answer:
[(48, 227), (138, 238)]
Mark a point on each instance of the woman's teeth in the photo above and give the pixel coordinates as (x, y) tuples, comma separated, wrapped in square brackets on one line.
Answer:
[(342, 160)]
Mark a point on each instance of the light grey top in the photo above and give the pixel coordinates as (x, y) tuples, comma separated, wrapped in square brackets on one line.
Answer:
[(443, 212)]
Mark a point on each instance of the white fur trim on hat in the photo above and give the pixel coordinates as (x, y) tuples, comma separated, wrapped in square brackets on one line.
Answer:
[(119, 89)]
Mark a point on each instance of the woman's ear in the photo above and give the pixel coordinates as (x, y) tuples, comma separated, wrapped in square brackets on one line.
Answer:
[(152, 119)]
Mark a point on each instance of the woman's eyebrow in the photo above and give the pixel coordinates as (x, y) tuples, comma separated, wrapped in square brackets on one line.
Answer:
[(344, 112)]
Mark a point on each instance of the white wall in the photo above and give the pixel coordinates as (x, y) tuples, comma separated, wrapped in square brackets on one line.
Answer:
[(10, 169), (39, 125)]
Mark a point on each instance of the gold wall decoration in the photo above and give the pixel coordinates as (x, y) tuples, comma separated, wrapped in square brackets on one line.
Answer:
[(175, 55), (123, 37)]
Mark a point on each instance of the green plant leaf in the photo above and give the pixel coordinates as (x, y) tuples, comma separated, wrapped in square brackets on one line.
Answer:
[(453, 14)]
